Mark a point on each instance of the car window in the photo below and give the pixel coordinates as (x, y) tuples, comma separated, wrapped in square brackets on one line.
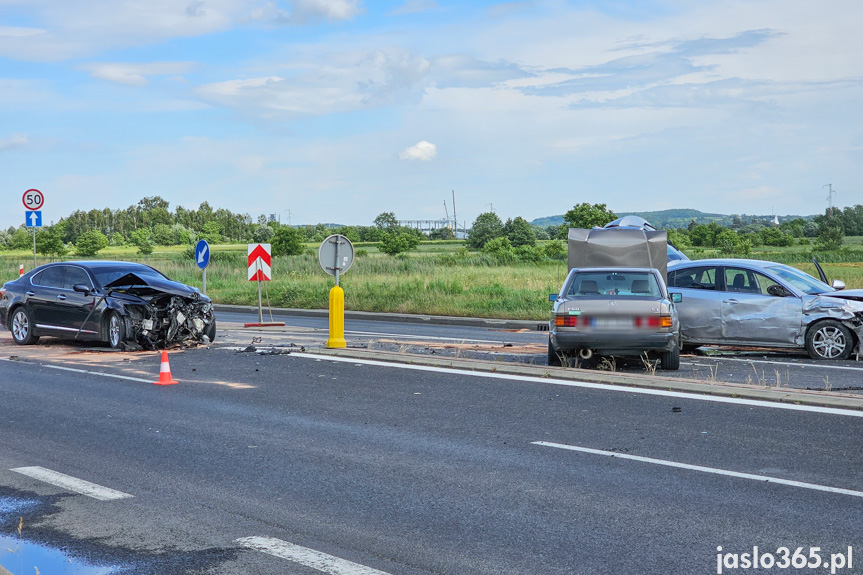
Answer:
[(108, 275), (76, 275), (802, 281), (51, 277), (629, 284), (740, 280), (747, 281), (694, 278)]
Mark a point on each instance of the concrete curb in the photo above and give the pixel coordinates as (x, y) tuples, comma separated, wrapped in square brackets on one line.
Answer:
[(393, 317), (719, 389)]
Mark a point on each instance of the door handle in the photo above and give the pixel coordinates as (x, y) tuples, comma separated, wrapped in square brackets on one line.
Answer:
[(731, 301), (62, 297), (31, 293)]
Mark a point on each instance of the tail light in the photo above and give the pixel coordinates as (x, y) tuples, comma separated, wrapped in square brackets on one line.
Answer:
[(653, 321), (571, 320)]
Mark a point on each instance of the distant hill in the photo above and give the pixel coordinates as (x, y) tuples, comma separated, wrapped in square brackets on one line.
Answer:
[(677, 218)]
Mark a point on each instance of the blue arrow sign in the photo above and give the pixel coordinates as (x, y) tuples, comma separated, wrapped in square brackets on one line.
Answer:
[(202, 254), (33, 219)]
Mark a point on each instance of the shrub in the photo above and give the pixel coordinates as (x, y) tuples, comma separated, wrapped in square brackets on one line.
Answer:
[(90, 242)]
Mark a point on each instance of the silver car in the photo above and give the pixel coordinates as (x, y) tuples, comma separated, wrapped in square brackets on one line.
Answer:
[(765, 304), (613, 311)]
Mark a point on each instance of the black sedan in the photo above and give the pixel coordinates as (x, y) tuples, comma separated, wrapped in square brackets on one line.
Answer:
[(129, 305)]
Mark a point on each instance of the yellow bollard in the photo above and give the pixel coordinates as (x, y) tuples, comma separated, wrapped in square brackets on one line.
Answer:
[(337, 318)]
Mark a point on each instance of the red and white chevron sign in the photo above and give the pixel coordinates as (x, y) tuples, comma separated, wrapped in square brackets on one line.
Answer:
[(259, 263)]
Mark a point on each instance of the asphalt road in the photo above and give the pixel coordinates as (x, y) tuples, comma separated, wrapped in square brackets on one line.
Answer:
[(411, 471), (759, 367)]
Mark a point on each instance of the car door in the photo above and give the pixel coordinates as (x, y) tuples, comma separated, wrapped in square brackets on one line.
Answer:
[(751, 315), (75, 306), (42, 298), (700, 311)]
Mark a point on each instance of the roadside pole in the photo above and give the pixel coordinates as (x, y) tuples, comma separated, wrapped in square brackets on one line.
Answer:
[(336, 255)]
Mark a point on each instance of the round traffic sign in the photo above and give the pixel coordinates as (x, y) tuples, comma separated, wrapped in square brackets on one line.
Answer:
[(202, 254), (33, 199), (336, 254)]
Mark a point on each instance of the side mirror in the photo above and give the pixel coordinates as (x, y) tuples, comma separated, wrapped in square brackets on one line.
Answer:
[(552, 297), (676, 297), (838, 284), (81, 288)]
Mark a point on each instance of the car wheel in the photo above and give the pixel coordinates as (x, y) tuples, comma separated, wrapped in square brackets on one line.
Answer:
[(670, 360), (116, 331), (210, 331), (829, 339), (22, 327)]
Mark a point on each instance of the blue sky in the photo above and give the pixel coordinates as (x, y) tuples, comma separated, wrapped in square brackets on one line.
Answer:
[(338, 110)]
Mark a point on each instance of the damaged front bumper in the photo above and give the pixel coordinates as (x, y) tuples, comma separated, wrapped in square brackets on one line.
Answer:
[(170, 321)]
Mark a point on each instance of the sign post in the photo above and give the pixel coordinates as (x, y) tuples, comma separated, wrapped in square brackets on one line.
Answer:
[(336, 255), (202, 258), (260, 271), (33, 201)]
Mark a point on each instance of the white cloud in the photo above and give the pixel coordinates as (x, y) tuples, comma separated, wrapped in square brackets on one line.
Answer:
[(309, 11), (326, 85), (14, 141), (422, 151), (136, 74), (415, 7), (316, 10)]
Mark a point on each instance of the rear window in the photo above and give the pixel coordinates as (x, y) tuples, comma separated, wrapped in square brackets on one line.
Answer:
[(628, 284), (693, 278)]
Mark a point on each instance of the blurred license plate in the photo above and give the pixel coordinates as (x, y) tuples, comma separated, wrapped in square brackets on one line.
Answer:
[(612, 322)]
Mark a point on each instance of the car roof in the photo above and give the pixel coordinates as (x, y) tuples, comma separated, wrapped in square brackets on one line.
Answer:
[(96, 264), (724, 262)]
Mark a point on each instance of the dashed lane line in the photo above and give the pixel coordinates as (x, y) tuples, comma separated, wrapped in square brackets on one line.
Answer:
[(715, 471), (84, 371), (71, 483), (307, 557)]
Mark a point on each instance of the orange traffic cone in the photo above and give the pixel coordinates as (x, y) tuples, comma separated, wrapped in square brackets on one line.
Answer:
[(165, 371)]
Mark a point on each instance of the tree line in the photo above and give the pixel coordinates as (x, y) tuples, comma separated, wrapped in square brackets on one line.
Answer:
[(151, 222)]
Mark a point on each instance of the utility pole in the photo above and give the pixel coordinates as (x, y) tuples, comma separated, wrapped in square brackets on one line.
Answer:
[(454, 218), (830, 192), (446, 211)]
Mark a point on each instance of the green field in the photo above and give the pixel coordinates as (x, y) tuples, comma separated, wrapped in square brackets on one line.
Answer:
[(438, 278)]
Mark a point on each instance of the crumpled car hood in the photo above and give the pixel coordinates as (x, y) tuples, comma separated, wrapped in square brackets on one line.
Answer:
[(136, 285), (848, 294), (163, 313)]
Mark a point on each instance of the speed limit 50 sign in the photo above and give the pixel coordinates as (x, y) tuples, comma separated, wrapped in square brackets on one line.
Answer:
[(33, 199)]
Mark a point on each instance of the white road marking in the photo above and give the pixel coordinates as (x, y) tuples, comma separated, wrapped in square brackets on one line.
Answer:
[(84, 371), (71, 483), (590, 385), (712, 470), (307, 557)]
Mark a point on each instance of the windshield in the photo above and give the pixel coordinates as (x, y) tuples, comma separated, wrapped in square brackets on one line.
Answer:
[(107, 275), (631, 284), (801, 280)]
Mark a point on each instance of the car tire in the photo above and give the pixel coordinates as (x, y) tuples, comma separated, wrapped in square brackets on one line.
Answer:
[(21, 324), (116, 331), (210, 331), (829, 339), (670, 360), (553, 356)]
